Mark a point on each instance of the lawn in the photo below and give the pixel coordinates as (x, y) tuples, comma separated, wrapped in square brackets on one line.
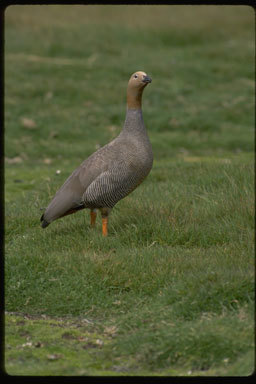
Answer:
[(170, 291)]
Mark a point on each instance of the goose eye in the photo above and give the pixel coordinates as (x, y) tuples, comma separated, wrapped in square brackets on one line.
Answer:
[(135, 76)]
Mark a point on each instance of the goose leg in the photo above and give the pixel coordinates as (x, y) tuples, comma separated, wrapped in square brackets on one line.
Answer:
[(93, 217), (104, 214), (104, 226)]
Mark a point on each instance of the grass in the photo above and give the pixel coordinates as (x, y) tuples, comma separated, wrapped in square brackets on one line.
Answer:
[(170, 292)]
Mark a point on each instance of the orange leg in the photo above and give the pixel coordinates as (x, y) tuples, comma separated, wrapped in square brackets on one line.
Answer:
[(93, 218), (104, 226)]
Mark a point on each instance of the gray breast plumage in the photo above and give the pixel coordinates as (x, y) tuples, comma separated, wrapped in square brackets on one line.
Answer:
[(128, 160)]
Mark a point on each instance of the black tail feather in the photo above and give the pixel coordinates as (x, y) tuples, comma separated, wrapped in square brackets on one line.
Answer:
[(44, 223)]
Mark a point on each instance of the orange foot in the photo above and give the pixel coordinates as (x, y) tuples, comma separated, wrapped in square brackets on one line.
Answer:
[(104, 226)]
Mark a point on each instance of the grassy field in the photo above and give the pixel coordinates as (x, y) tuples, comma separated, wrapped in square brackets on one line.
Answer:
[(170, 291)]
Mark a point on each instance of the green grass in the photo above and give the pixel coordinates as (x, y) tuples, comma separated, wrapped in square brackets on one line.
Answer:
[(170, 291)]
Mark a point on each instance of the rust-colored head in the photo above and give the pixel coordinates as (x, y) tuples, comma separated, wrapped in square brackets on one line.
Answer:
[(136, 84)]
